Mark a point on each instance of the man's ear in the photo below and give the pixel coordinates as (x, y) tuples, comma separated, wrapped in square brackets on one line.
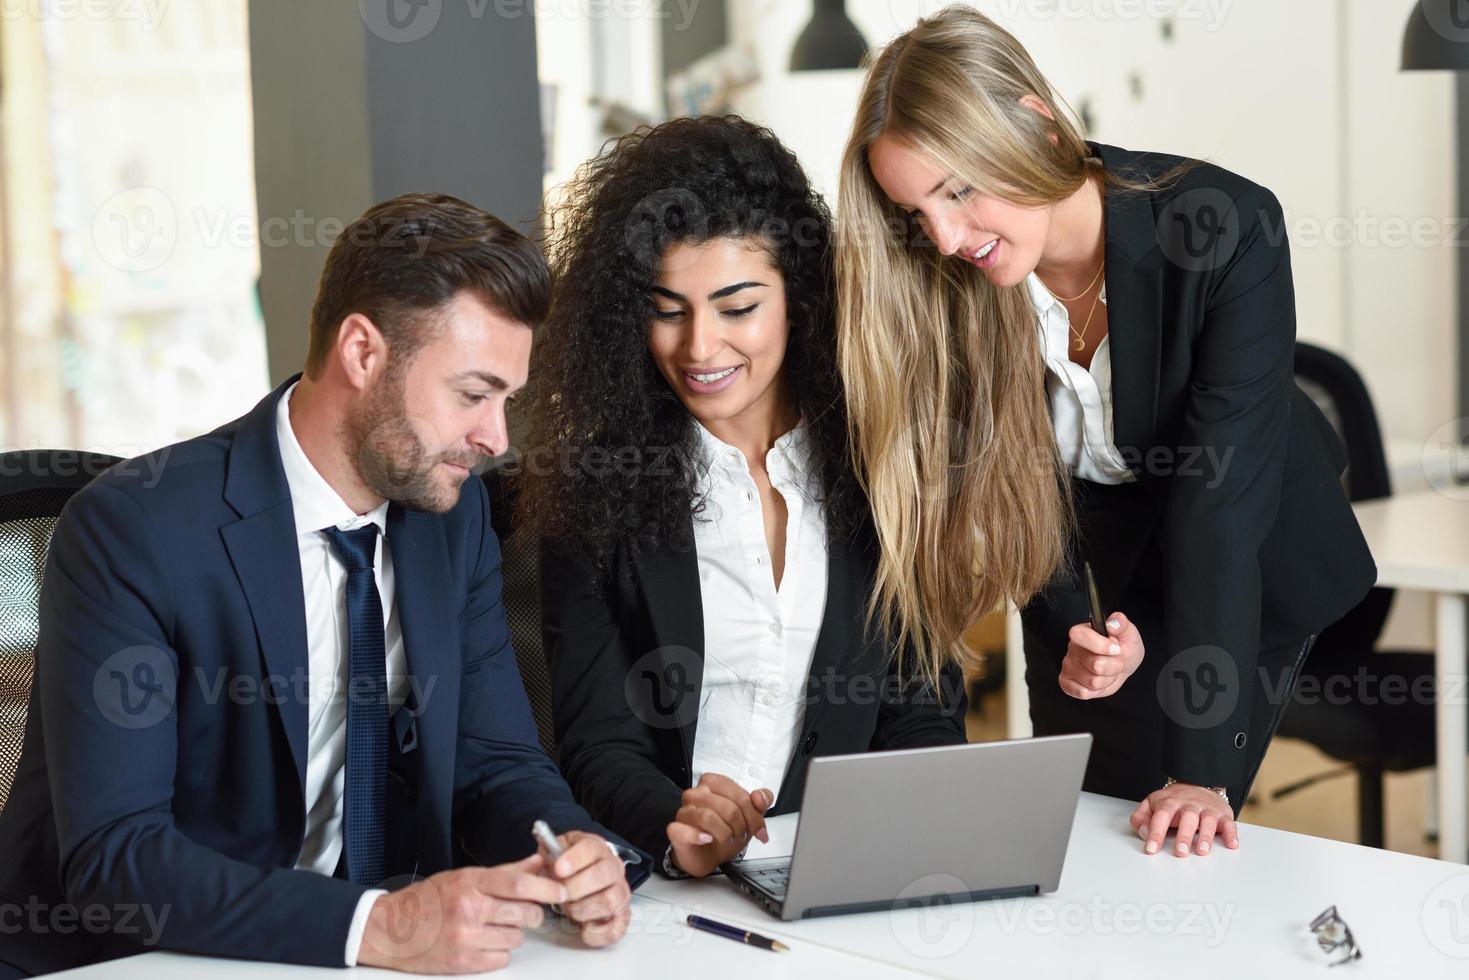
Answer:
[(1034, 103), (361, 350)]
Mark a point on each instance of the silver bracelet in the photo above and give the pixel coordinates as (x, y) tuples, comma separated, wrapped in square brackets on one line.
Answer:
[(1220, 790), (669, 868)]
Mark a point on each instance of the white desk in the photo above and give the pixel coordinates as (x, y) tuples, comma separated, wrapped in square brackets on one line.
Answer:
[(1118, 913), (658, 944), (1421, 541)]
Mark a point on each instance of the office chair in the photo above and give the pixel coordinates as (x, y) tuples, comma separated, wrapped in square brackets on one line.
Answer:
[(34, 487), (521, 591), (1371, 738)]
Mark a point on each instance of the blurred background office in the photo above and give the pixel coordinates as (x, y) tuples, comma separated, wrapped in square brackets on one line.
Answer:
[(174, 172)]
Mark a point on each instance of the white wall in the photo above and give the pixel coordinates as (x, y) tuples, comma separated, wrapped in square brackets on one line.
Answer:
[(603, 52), (1400, 157), (1304, 97)]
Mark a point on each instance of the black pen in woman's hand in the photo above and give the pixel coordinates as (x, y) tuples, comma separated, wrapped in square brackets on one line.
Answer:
[(737, 934), (1098, 622)]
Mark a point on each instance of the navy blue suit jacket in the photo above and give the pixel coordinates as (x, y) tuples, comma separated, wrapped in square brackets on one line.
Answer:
[(165, 748)]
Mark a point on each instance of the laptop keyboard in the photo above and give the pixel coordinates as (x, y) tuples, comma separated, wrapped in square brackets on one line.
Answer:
[(773, 880)]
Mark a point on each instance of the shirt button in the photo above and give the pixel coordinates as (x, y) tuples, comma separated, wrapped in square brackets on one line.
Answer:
[(775, 628), (752, 771)]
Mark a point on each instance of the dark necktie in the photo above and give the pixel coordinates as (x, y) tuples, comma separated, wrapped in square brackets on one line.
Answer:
[(367, 706)]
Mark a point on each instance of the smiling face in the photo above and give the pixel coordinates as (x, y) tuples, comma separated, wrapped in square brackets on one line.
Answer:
[(1002, 239), (418, 430), (719, 328)]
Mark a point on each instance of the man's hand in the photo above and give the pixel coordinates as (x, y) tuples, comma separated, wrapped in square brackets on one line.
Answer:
[(1198, 812), (716, 821), (599, 899), (462, 921), (1096, 666)]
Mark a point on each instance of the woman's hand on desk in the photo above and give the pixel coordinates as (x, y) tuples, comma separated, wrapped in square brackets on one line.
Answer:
[(1096, 666), (716, 821), (1200, 814)]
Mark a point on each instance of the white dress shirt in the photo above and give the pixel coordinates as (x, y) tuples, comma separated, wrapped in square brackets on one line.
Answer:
[(758, 640), (1081, 398), (324, 580)]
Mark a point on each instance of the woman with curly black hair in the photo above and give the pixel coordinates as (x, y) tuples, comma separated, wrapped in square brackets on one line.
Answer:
[(707, 554)]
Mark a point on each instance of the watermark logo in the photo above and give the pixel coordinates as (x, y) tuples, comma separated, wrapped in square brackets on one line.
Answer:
[(1448, 443), (930, 920), (670, 214), (1449, 20), (415, 920), (661, 687), (401, 21), (942, 444), (148, 14), (1446, 917), (1199, 687), (141, 923), (1211, 14), (136, 230), (1098, 917), (1199, 229), (135, 688)]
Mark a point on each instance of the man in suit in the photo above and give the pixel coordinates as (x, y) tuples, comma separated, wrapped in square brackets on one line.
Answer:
[(276, 713)]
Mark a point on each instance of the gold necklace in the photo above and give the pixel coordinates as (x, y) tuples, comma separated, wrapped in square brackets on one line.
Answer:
[(1073, 299), (1081, 337)]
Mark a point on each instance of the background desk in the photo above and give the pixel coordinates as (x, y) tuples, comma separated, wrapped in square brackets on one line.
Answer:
[(1118, 913), (1421, 541)]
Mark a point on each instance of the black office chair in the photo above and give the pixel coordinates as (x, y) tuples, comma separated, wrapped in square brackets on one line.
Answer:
[(1372, 738), (521, 591), (34, 486)]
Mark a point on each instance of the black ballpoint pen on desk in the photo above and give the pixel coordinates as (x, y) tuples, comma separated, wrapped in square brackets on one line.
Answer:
[(737, 934)]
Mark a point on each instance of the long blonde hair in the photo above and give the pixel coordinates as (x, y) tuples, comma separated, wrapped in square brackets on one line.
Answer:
[(944, 373)]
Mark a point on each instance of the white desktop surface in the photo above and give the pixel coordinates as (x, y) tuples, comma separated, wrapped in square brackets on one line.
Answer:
[(1118, 913), (1421, 541), (1121, 913)]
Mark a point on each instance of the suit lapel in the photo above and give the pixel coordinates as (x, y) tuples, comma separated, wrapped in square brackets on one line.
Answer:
[(424, 595), (833, 652), (670, 583), (1134, 305), (263, 550), (1134, 308)]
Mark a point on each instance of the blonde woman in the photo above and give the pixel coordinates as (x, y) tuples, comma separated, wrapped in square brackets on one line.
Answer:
[(1057, 350)]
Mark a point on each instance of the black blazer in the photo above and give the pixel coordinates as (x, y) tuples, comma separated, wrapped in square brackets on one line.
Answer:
[(626, 653), (1238, 497)]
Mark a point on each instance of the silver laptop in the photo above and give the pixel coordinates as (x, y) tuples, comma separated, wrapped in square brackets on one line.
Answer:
[(917, 827)]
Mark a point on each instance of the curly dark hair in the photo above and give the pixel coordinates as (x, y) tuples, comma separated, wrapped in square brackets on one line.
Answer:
[(609, 450)]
